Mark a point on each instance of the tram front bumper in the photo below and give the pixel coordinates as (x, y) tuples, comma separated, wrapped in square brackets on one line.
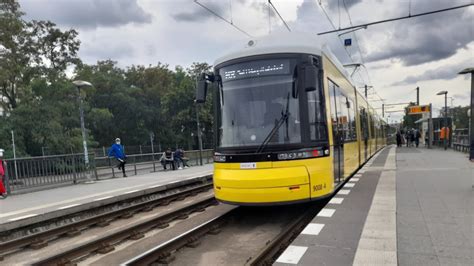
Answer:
[(262, 186)]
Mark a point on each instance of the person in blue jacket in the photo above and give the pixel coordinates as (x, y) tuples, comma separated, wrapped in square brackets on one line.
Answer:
[(117, 151)]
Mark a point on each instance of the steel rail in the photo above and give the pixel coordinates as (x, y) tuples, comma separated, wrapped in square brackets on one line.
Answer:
[(39, 240), (267, 255), (106, 244), (163, 253)]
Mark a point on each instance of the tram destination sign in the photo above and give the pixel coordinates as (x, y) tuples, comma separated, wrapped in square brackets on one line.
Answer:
[(418, 109), (255, 69)]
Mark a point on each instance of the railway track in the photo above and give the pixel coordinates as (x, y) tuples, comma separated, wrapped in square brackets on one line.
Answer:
[(41, 239), (107, 242), (275, 233)]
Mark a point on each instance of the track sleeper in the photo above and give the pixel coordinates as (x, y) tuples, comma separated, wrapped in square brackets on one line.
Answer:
[(182, 216), (103, 223), (137, 235), (73, 232), (105, 248), (38, 243), (126, 215), (162, 225)]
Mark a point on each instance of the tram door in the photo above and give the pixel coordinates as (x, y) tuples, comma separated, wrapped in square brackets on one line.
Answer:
[(336, 99)]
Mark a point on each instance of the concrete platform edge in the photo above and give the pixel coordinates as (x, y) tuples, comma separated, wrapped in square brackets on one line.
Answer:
[(94, 204)]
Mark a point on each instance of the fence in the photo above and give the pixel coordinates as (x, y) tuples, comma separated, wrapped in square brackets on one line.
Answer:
[(37, 173), (461, 139), (33, 172), (144, 163)]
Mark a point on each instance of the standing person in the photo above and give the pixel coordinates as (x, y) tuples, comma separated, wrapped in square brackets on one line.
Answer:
[(3, 191), (417, 136), (399, 138), (408, 137), (117, 151)]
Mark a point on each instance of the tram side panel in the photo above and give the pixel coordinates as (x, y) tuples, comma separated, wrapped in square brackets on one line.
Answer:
[(340, 99)]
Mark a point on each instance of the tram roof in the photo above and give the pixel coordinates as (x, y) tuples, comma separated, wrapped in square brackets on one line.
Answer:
[(288, 42)]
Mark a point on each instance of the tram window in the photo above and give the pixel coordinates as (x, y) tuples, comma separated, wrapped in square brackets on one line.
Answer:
[(333, 101), (317, 124), (352, 122), (339, 113), (343, 116), (364, 123), (372, 126)]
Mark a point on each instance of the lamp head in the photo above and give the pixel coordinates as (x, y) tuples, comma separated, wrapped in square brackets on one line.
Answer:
[(442, 93), (82, 83), (467, 70)]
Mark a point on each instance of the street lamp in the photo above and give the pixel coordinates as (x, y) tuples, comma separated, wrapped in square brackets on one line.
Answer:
[(471, 119), (445, 93), (79, 84)]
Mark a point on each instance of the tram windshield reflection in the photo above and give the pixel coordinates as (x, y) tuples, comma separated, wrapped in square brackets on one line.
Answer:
[(253, 99)]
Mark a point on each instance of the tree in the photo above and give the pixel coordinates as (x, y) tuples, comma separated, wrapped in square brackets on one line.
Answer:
[(409, 120), (30, 50)]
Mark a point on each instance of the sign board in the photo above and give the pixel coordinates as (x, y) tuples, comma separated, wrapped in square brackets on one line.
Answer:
[(347, 42), (418, 109)]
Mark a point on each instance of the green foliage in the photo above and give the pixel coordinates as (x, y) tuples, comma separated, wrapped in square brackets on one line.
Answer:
[(40, 104), (460, 118)]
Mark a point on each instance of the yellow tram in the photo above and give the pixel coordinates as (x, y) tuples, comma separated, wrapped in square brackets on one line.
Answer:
[(289, 124)]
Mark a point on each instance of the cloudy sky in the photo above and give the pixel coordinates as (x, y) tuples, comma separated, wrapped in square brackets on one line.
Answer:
[(399, 56)]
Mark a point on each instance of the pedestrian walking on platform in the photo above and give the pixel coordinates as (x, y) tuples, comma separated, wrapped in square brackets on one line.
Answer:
[(408, 137), (118, 153), (417, 136), (3, 191), (399, 138)]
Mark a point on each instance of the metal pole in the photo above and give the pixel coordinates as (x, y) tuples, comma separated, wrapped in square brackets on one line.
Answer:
[(84, 136), (471, 134), (383, 110), (199, 135), (430, 128), (14, 155), (366, 91), (445, 121), (417, 96), (152, 151)]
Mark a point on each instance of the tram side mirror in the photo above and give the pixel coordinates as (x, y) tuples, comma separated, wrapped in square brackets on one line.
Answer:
[(310, 77), (201, 91)]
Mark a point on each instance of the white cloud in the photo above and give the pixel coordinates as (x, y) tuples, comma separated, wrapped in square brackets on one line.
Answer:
[(410, 53)]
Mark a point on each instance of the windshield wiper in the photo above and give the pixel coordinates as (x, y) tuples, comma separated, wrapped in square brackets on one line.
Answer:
[(283, 118)]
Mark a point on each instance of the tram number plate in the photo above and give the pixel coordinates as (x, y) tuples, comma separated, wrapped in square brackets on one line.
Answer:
[(319, 187), (248, 165)]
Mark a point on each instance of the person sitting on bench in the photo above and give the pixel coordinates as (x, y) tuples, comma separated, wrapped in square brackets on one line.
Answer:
[(168, 158), (180, 159)]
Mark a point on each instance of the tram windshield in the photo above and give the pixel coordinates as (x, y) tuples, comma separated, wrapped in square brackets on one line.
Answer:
[(254, 97)]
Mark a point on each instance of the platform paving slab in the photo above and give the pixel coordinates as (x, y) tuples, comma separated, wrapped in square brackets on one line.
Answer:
[(24, 209), (434, 207), (337, 241)]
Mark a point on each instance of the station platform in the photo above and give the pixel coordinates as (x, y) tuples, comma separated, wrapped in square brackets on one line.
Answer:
[(406, 206), (24, 209)]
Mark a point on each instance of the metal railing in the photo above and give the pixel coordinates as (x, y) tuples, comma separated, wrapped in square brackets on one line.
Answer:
[(33, 172), (144, 163), (461, 140), (37, 173)]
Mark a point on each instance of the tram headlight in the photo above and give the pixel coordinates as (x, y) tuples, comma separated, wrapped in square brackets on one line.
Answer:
[(219, 158)]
